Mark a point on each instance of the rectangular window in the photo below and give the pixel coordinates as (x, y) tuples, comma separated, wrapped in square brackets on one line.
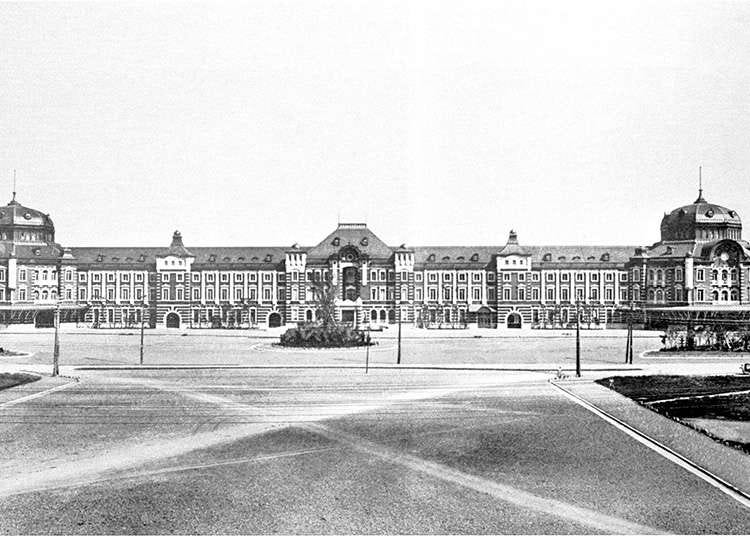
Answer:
[(476, 294), (68, 275), (623, 277), (238, 293), (535, 294), (432, 277), (224, 292), (700, 294), (373, 293), (564, 294), (491, 277), (521, 294), (491, 294), (447, 293), (609, 294), (267, 294), (224, 277), (295, 276), (22, 294), (609, 277), (506, 276), (110, 294), (110, 277), (82, 277), (550, 276), (462, 294), (196, 277), (565, 276), (550, 294), (623, 294), (462, 277), (252, 293), (579, 276), (594, 276), (196, 294), (124, 293), (138, 293), (180, 294), (535, 276), (165, 278), (82, 294), (210, 278), (418, 277), (94, 293), (522, 276), (506, 294), (210, 293), (432, 293), (418, 294), (252, 277), (180, 277), (700, 275), (447, 276), (476, 276), (238, 278)]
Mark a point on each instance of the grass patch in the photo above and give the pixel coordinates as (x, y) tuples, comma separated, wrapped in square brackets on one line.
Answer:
[(646, 389), (11, 379), (654, 393)]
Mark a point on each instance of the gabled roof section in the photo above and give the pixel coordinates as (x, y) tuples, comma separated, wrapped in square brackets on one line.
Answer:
[(351, 234)]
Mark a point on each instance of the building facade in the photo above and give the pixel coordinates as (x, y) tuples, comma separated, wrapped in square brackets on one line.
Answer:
[(700, 259)]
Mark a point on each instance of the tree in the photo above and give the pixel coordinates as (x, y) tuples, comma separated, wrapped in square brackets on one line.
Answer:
[(324, 300)]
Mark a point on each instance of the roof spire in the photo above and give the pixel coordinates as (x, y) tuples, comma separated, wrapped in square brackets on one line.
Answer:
[(700, 186), (14, 187)]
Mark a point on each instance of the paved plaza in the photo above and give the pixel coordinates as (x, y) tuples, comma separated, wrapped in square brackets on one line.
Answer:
[(335, 450)]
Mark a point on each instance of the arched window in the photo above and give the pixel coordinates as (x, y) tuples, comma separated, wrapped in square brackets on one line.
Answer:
[(714, 275), (724, 276), (309, 315), (651, 295), (659, 296), (734, 295), (678, 293), (715, 295), (382, 315), (45, 295), (724, 295), (374, 315)]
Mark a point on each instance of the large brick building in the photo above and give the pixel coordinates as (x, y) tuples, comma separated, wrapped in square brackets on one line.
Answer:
[(700, 260)]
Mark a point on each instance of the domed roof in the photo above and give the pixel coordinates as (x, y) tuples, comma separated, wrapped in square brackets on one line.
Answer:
[(683, 222), (14, 213)]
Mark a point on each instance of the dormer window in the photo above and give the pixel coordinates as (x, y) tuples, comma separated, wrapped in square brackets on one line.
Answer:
[(605, 257), (446, 258), (547, 257), (141, 258), (99, 258), (269, 257), (710, 213), (364, 241), (475, 257), (336, 241), (212, 258), (227, 259), (431, 257)]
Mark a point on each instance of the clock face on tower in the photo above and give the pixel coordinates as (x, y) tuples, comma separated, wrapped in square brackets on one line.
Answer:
[(724, 256)]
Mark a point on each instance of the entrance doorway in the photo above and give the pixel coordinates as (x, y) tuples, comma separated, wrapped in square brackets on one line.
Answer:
[(514, 321), (274, 320), (173, 320), (347, 316)]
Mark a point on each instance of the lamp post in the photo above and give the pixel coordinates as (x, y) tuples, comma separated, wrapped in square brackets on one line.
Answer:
[(578, 339), (143, 319), (56, 348), (398, 354)]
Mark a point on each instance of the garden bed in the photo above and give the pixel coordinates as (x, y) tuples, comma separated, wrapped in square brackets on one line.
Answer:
[(709, 404), (12, 379)]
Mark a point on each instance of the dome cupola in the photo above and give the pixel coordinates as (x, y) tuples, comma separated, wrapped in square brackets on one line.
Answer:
[(701, 221), (24, 225)]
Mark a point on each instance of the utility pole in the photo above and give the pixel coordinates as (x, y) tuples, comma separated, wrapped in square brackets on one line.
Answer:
[(367, 350), (143, 318), (398, 355), (578, 341), (56, 349)]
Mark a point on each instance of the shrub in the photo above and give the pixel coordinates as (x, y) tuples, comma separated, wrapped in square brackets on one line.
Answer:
[(324, 336)]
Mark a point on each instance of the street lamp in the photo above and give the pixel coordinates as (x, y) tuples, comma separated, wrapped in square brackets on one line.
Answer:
[(143, 319), (56, 349), (578, 339)]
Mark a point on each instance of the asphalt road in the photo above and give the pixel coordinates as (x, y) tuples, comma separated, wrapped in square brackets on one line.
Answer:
[(321, 451)]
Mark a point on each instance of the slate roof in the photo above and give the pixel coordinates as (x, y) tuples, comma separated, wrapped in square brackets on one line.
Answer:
[(355, 234), (204, 257), (30, 251)]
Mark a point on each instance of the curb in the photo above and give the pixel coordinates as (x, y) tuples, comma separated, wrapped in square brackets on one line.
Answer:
[(726, 487), (519, 368)]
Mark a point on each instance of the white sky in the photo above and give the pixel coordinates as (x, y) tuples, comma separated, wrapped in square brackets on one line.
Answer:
[(448, 123)]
